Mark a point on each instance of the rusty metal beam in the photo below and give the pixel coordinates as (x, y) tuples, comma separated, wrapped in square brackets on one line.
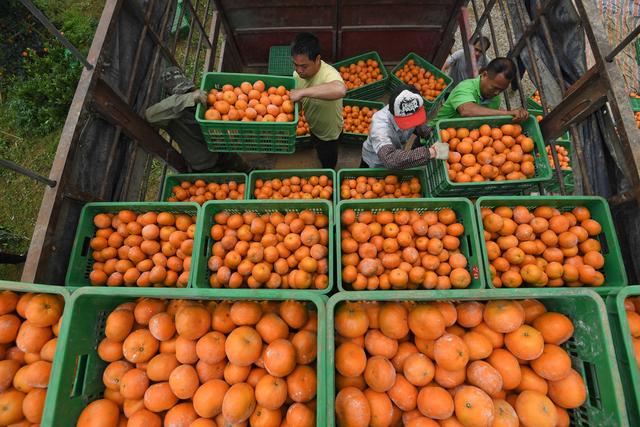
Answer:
[(530, 29), (463, 21), (214, 33), (41, 247), (583, 98), (486, 15), (448, 32), (116, 111), (230, 37), (628, 39)]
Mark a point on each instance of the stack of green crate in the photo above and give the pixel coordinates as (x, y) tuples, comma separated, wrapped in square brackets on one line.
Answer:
[(430, 106), (402, 174), (613, 270), (349, 137), (590, 348), (625, 349), (77, 375), (288, 173), (239, 136), (202, 249), (469, 241), (567, 174), (8, 320), (533, 104), (438, 175), (171, 181), (280, 62), (371, 91), (81, 259), (358, 138)]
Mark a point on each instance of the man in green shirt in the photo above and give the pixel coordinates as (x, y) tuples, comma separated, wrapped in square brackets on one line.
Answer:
[(319, 89), (479, 96)]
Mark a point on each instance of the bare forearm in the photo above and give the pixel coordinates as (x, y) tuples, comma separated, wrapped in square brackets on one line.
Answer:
[(471, 109)]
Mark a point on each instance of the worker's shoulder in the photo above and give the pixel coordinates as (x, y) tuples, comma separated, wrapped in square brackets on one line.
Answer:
[(466, 85), (328, 72)]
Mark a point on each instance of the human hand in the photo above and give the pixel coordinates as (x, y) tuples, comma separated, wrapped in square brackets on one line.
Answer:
[(519, 114), (439, 151), (295, 95), (199, 97)]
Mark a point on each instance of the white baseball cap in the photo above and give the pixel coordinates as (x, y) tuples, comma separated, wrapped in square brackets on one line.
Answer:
[(408, 110)]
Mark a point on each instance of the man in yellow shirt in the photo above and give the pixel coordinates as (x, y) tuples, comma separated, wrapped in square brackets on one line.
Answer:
[(319, 89)]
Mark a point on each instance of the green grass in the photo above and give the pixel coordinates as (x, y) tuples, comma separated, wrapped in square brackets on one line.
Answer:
[(20, 196)]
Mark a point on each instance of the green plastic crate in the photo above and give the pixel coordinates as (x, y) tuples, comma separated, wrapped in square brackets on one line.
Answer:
[(204, 242), (77, 379), (43, 289), (625, 354), (635, 103), (613, 270), (171, 181), (81, 261), (371, 91), (237, 136), (438, 176), (567, 174), (288, 173), (358, 138), (350, 137), (280, 62), (590, 348), (429, 106), (402, 174), (469, 242), (532, 104)]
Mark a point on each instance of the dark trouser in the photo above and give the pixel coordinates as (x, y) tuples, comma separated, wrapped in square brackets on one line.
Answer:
[(363, 164), (327, 151)]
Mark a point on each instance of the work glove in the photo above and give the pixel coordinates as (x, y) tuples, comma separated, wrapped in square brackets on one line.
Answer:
[(199, 97), (439, 151)]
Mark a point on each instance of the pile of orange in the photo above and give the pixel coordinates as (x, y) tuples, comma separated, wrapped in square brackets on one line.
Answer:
[(542, 247), (489, 154), (207, 363), (536, 97), (199, 191), (29, 328), (632, 308), (637, 117), (563, 157), (369, 187), (498, 363), (274, 250), (402, 250), (356, 120), (634, 94), (428, 84), (360, 73), (303, 126), (250, 103), (295, 187), (147, 249)]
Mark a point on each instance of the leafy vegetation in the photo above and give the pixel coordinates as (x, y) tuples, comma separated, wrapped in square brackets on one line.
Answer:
[(38, 78)]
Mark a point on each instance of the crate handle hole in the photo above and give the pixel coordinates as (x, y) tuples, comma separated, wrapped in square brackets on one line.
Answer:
[(85, 246), (80, 374), (591, 377), (469, 245), (604, 243)]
